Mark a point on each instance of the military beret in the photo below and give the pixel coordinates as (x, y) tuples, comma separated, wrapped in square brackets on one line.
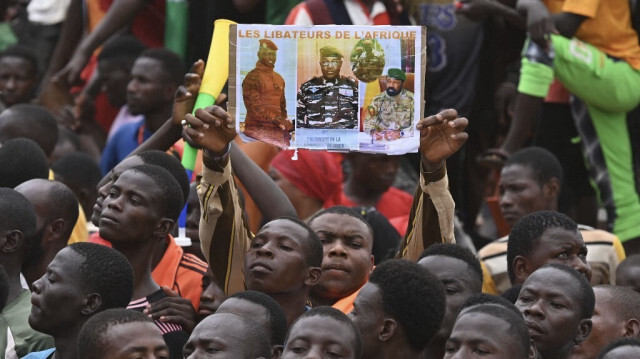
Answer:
[(330, 51), (267, 44), (397, 74)]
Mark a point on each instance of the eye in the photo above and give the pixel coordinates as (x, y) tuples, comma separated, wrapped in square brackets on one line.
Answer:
[(525, 299), (556, 305), (112, 193), (480, 351), (451, 290), (563, 255), (450, 348), (355, 245), (286, 248), (257, 244), (212, 350), (298, 349)]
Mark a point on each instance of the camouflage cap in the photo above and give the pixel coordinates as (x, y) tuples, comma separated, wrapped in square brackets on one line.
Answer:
[(330, 51), (397, 74), (267, 44)]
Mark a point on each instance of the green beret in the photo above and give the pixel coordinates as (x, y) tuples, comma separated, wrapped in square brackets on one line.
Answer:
[(267, 44), (397, 74), (330, 51)]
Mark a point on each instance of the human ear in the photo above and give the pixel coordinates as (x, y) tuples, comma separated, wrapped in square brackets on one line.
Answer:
[(521, 269), (551, 189), (632, 328), (276, 351), (313, 276), (533, 352), (584, 328), (11, 241), (164, 228), (56, 226), (91, 303), (389, 327)]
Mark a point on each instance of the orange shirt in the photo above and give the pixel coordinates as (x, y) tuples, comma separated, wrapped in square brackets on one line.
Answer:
[(607, 27)]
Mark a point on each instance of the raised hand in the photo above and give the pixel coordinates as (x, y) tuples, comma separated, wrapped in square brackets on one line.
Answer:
[(185, 96), (211, 128), (441, 136), (173, 309)]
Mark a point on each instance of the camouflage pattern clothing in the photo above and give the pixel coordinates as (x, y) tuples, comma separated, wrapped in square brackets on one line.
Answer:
[(390, 112), (328, 104)]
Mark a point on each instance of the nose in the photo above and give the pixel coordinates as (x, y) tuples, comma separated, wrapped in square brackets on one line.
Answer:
[(505, 199), (131, 86), (337, 249), (313, 353), (36, 287), (112, 203), (265, 251), (11, 83), (208, 294), (534, 310), (581, 266)]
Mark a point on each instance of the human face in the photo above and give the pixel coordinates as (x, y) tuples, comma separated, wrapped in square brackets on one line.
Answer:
[(295, 195), (59, 287), (330, 67), (394, 86), (607, 327), (249, 310), (17, 80), (629, 276), (218, 336), (212, 296), (521, 194), (114, 82), (319, 337), (375, 172), (135, 340), (193, 222), (479, 335), (368, 315), (103, 191), (458, 284), (623, 352), (276, 261), (149, 89), (551, 304), (131, 212), (347, 260), (267, 57), (558, 245)]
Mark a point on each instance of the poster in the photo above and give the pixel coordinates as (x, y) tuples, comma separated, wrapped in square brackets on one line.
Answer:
[(341, 88)]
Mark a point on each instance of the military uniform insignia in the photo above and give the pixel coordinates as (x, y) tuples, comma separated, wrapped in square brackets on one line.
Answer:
[(346, 92)]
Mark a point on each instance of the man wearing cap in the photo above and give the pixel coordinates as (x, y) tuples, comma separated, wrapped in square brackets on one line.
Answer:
[(390, 113), (263, 96), (330, 101)]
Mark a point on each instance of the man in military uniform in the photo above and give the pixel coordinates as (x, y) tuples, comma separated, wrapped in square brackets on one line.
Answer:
[(330, 101), (263, 96), (390, 113)]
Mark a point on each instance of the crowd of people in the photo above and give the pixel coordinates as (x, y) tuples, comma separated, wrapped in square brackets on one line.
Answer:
[(514, 232)]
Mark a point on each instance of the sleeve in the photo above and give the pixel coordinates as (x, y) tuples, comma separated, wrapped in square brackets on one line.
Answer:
[(618, 257), (431, 216), (301, 107), (587, 8), (108, 160), (252, 96), (224, 235)]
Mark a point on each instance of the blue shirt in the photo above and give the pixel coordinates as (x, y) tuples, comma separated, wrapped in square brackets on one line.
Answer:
[(123, 142), (40, 355)]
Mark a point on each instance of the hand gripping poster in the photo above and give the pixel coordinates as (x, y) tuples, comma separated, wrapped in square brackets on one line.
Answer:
[(341, 88)]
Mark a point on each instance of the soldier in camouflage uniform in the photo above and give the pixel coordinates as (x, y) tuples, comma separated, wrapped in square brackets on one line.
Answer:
[(330, 101), (390, 113), (263, 96)]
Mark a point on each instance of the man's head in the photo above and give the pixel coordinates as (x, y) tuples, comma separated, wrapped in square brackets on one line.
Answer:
[(18, 75), (284, 257), (81, 174), (545, 237), (530, 181), (4, 287), (84, 279), (374, 173), (17, 225), (143, 204), (68, 143), (490, 329), (155, 76), (401, 306), (621, 349), (21, 160), (230, 335), (267, 53), (461, 275), (121, 334), (114, 66), (212, 295), (30, 121), (557, 303), (330, 62), (347, 242), (395, 80), (616, 315), (322, 330), (628, 273)]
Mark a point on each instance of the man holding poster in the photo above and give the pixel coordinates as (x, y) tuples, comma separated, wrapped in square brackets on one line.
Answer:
[(390, 113), (330, 101), (263, 96)]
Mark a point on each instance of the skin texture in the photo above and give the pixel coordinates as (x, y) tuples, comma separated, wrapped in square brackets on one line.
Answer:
[(114, 82), (135, 340), (479, 335), (368, 315), (17, 80), (193, 222), (149, 89), (550, 301), (219, 336), (394, 86), (347, 260), (304, 205), (212, 296), (320, 337), (629, 277), (332, 70), (521, 194), (246, 309), (103, 191), (371, 176)]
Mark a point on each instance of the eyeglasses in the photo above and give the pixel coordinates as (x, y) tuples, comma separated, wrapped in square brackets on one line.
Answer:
[(332, 63)]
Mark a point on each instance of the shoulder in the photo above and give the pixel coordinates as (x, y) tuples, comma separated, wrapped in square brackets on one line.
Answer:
[(348, 80), (312, 83), (194, 264), (407, 93)]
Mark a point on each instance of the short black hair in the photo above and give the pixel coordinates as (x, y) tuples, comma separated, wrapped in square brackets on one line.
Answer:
[(544, 164), (33, 122), (77, 170), (171, 63), (4, 287), (587, 300), (21, 160), (107, 272), (25, 53), (342, 210), (623, 342), (65, 134), (338, 316), (512, 293), (315, 251), (526, 232), (171, 164), (485, 298), (517, 326), (125, 48), (17, 213), (413, 296), (277, 317), (457, 252), (631, 261), (93, 337), (386, 239), (625, 300), (172, 200)]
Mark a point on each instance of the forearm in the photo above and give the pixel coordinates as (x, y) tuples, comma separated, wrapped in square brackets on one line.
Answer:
[(70, 35), (162, 139), (269, 198), (567, 23)]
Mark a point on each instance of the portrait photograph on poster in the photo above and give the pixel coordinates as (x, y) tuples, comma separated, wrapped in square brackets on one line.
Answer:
[(343, 88)]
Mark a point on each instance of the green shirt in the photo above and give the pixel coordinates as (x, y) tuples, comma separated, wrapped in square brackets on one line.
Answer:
[(14, 316)]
